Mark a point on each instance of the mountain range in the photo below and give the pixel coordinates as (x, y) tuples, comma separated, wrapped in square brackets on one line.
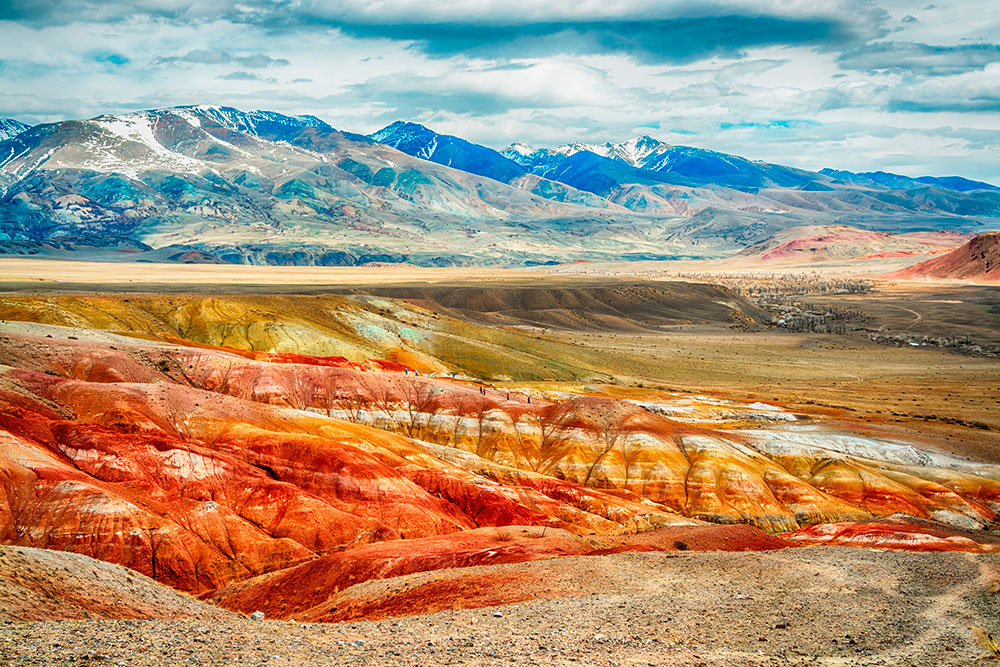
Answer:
[(208, 183)]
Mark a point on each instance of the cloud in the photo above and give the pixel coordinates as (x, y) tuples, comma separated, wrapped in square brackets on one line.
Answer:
[(972, 92), (844, 83), (216, 57), (673, 41), (491, 90), (246, 76), (920, 59), (651, 31), (37, 109)]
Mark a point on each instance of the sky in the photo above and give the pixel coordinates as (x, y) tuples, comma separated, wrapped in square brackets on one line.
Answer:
[(907, 87)]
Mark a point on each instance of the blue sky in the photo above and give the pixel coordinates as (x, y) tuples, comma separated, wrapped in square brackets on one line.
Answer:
[(854, 84)]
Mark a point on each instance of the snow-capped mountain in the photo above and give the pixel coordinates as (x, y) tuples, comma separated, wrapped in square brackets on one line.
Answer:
[(418, 141), (259, 186), (253, 123), (636, 152), (10, 127), (682, 165), (269, 188)]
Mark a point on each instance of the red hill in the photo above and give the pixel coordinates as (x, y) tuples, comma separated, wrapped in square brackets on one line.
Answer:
[(978, 260)]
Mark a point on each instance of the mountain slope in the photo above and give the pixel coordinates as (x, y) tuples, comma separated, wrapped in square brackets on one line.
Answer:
[(48, 585), (956, 183), (420, 142), (816, 243), (889, 180), (977, 260), (10, 127), (202, 465), (680, 165), (646, 175)]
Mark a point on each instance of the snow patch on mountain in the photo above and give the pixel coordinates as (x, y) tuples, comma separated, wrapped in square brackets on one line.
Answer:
[(114, 148), (255, 123), (9, 128), (633, 152)]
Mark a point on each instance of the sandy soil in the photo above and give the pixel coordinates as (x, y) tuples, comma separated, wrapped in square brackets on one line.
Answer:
[(812, 606), (23, 269)]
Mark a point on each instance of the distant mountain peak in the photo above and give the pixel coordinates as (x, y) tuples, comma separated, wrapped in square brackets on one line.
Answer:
[(412, 138), (887, 179), (400, 131), (519, 148)]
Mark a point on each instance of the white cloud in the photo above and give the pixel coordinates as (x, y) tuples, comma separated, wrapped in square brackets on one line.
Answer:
[(791, 103)]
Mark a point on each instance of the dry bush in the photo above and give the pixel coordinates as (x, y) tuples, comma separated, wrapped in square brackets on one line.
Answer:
[(503, 535), (985, 640)]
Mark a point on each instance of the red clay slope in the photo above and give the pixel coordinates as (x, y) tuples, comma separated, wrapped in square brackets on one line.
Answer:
[(822, 243), (978, 260), (322, 589), (897, 532)]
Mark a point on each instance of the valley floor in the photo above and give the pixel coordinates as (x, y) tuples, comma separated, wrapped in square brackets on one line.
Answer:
[(825, 606)]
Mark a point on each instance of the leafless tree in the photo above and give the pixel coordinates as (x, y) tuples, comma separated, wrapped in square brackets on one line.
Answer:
[(609, 421), (379, 395), (300, 388), (418, 397), (450, 414), (348, 395), (539, 455), (156, 539), (241, 381), (631, 452), (23, 504), (487, 437)]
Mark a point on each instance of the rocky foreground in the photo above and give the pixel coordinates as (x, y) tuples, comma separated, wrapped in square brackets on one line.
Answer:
[(809, 606)]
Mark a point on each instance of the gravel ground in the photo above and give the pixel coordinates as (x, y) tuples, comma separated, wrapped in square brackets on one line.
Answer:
[(41, 584), (810, 606)]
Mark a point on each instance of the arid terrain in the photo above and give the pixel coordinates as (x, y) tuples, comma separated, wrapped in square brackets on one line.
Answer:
[(816, 606), (426, 466), (381, 333)]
